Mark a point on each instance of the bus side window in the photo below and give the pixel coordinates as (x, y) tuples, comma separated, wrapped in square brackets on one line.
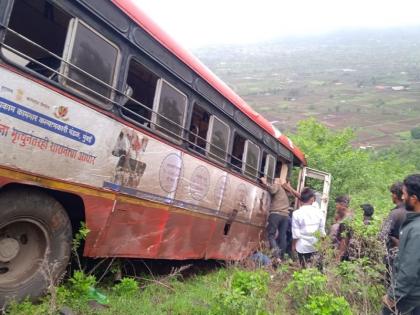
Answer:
[(252, 159), (237, 152), (45, 25), (199, 127), (139, 105), (94, 54), (169, 110), (263, 164), (268, 167), (218, 139), (279, 166)]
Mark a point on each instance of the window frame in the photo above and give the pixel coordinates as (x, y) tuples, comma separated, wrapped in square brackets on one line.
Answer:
[(195, 102), (155, 112), (107, 103), (209, 143), (121, 107), (6, 16), (245, 158), (266, 168), (231, 157)]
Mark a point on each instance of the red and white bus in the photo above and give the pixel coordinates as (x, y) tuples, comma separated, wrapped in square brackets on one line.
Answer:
[(105, 119)]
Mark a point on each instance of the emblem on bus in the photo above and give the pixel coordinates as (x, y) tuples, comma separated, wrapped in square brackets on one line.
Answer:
[(19, 95), (61, 112)]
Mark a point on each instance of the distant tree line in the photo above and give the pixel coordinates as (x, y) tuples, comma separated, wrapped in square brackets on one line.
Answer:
[(415, 133)]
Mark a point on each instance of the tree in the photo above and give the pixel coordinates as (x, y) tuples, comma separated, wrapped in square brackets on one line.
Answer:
[(363, 175), (415, 133)]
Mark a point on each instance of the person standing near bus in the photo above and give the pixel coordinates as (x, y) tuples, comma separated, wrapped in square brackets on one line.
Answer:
[(368, 211), (306, 222), (278, 218), (340, 232), (390, 233), (403, 296)]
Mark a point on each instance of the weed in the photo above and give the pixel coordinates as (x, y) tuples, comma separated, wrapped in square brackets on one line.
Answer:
[(305, 283), (246, 294), (326, 304), (77, 240), (251, 283), (26, 307), (80, 284), (126, 287)]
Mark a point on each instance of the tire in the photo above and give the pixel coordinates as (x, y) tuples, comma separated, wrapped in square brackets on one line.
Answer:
[(35, 243)]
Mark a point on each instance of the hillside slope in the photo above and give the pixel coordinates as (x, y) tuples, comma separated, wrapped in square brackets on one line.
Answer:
[(369, 80)]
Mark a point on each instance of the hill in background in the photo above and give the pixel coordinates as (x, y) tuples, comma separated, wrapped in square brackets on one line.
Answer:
[(368, 80)]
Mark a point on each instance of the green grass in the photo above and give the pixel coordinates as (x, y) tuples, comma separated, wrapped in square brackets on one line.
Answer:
[(401, 101), (195, 295), (191, 296), (404, 135)]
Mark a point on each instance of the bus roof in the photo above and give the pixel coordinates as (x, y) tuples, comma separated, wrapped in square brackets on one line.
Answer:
[(134, 12)]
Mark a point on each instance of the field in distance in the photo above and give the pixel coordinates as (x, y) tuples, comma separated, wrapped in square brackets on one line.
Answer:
[(367, 80)]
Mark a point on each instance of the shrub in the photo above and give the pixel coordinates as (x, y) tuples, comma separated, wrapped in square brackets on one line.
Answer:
[(26, 307), (326, 304), (80, 284), (249, 283), (415, 133), (246, 294), (305, 283), (361, 283), (126, 287)]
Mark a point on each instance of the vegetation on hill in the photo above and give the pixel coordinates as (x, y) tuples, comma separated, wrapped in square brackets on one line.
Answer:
[(406, 153), (364, 175), (415, 133), (368, 80)]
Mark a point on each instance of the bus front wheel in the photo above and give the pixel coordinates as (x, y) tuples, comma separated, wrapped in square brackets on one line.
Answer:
[(35, 243)]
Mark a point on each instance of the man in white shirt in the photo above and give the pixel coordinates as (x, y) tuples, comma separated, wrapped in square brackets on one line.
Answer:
[(306, 222)]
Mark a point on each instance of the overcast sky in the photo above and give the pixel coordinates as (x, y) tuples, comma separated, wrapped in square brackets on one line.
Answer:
[(206, 22)]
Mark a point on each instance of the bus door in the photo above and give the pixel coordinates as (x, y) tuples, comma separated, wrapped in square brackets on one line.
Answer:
[(320, 182)]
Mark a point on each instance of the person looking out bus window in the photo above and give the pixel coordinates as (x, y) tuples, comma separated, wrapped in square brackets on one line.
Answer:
[(278, 218)]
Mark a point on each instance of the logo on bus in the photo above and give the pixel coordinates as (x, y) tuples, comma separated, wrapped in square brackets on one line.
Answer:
[(61, 112)]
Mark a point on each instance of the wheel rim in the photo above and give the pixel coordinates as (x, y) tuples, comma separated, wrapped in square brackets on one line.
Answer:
[(23, 249)]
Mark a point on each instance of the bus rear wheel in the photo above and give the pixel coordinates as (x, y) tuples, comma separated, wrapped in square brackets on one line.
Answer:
[(35, 243)]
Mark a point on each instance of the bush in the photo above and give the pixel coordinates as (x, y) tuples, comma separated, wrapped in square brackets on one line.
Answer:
[(361, 283), (415, 133), (80, 284), (326, 304), (305, 283), (246, 294), (26, 307), (249, 283), (126, 287)]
